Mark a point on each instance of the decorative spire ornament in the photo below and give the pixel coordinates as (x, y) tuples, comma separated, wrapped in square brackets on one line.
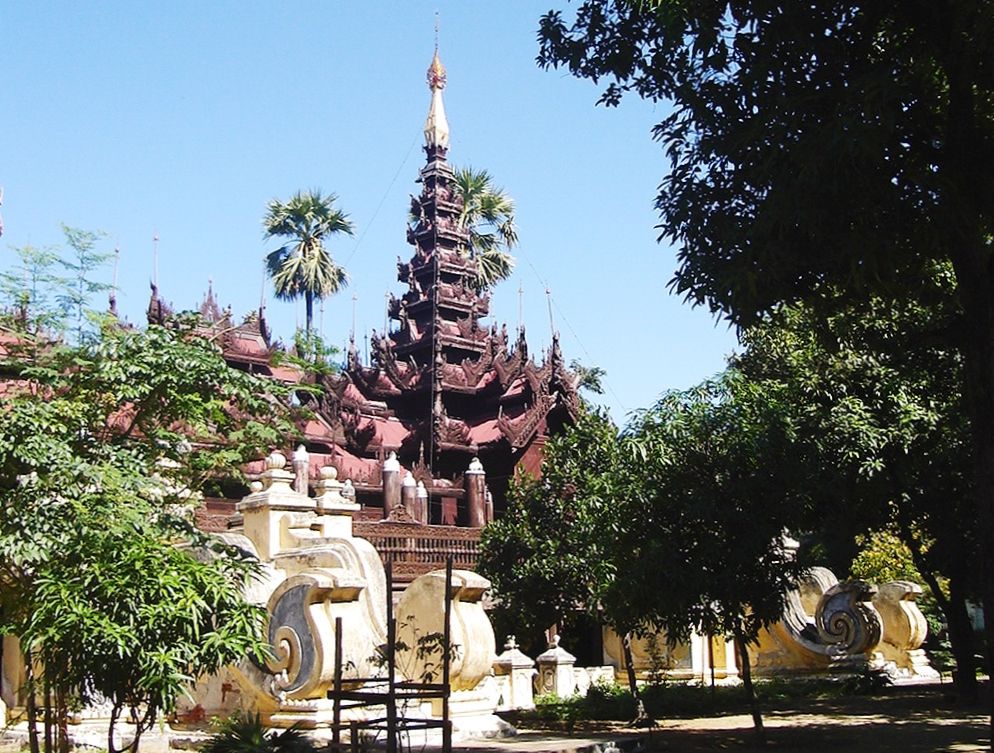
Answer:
[(436, 126)]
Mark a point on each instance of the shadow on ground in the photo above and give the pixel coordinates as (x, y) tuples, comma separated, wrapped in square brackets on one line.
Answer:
[(910, 720)]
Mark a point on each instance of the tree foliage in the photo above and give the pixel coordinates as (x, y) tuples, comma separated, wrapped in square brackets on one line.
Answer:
[(303, 267), (547, 557), (877, 395), (807, 142), (488, 215), (103, 448), (49, 290), (824, 143), (677, 523)]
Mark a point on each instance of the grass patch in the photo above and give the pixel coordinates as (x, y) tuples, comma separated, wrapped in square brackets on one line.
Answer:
[(608, 702)]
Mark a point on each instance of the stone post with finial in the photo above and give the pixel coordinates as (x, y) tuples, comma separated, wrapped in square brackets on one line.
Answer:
[(555, 670), (476, 494), (335, 510), (515, 673), (265, 508), (421, 503)]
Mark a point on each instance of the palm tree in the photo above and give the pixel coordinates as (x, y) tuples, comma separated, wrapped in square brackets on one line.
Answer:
[(303, 266), (488, 214)]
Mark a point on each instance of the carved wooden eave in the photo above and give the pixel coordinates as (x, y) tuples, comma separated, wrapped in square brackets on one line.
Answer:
[(452, 433), (426, 232), (563, 381), (158, 311), (467, 375), (357, 435), (520, 430)]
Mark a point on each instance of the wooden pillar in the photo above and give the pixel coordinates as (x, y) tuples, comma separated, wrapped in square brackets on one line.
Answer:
[(391, 484), (475, 484)]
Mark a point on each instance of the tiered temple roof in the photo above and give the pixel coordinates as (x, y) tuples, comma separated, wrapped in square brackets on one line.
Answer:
[(441, 387)]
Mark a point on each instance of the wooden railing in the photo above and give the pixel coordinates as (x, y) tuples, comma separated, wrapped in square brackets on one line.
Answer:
[(415, 549)]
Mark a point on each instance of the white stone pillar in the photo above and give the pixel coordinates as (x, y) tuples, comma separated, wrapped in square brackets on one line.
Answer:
[(334, 510), (555, 670), (409, 495), (391, 484), (421, 499), (301, 470), (515, 673)]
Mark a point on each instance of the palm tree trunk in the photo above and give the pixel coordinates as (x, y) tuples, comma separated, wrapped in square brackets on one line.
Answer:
[(309, 304)]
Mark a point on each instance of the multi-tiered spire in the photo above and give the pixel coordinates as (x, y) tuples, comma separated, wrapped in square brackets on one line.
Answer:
[(455, 387)]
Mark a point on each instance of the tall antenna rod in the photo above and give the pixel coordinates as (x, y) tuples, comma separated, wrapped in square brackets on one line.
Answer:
[(354, 299), (548, 298), (262, 290), (155, 258), (113, 287), (436, 30), (521, 315)]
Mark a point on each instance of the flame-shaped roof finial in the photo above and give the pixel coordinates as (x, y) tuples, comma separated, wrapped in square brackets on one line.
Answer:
[(436, 126)]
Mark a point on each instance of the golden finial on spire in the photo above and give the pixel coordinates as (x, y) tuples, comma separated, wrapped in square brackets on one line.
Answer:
[(436, 73), (436, 126)]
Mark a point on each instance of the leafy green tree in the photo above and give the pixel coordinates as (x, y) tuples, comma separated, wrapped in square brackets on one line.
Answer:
[(877, 398), (303, 266), (702, 486), (488, 214), (883, 557), (78, 288), (820, 142), (546, 556), (589, 378), (713, 499), (102, 451), (27, 291)]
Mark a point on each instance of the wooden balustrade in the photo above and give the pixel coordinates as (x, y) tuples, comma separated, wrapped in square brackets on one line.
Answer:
[(415, 549)]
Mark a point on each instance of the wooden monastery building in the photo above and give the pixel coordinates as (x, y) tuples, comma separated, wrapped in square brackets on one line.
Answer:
[(433, 428)]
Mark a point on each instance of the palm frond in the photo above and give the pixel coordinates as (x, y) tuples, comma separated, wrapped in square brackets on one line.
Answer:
[(303, 266), (488, 215)]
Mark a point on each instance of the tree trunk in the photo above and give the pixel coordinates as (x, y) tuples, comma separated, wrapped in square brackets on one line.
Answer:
[(48, 704), (640, 713), (115, 714), (974, 278), (309, 308), (62, 721), (757, 717), (139, 723), (954, 610), (961, 642), (31, 706), (972, 258)]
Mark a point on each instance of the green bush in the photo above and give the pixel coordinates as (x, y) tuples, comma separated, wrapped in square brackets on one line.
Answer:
[(246, 734)]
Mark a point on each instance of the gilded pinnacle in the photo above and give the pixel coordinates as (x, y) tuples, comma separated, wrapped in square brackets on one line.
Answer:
[(436, 126)]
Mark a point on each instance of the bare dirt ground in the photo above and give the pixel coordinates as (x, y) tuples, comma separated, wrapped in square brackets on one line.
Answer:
[(909, 720)]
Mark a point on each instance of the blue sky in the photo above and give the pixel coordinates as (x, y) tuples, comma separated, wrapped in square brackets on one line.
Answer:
[(185, 118)]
